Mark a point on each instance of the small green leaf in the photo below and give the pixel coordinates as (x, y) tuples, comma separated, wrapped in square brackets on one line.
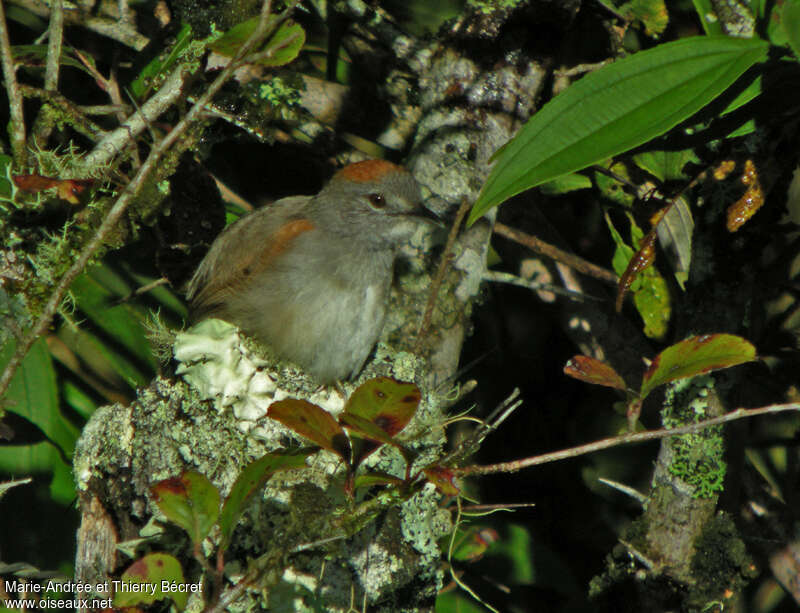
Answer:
[(387, 403), (5, 185), (374, 478), (666, 165), (161, 63), (708, 17), (312, 422), (191, 501), (616, 108), (141, 583), (249, 481), (568, 183), (696, 355), (282, 47), (592, 370)]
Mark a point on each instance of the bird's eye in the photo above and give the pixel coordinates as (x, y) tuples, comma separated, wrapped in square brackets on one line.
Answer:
[(377, 201)]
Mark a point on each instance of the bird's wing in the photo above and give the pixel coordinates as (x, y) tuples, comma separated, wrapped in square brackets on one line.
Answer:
[(244, 249)]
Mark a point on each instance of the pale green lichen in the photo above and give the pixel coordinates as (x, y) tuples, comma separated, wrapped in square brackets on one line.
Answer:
[(698, 456)]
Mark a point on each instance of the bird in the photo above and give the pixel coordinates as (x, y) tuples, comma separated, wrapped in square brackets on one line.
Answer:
[(310, 276)]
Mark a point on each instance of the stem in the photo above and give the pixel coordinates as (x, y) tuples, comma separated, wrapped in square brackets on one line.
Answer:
[(559, 255), (436, 283), (55, 35), (625, 439), (16, 128)]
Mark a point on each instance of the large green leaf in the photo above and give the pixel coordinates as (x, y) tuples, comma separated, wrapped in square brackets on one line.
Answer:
[(33, 395), (615, 109), (42, 457)]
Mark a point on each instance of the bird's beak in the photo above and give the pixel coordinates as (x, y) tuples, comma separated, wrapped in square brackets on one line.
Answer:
[(425, 214)]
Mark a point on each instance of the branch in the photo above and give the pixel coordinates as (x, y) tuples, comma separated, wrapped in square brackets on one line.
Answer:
[(127, 195), (113, 29), (570, 259), (625, 439), (16, 128), (55, 34)]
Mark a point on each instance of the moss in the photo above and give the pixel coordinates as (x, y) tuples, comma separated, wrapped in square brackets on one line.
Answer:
[(489, 6), (697, 457), (721, 565)]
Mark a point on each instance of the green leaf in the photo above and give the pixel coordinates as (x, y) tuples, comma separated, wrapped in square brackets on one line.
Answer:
[(592, 370), (650, 291), (312, 422), (250, 480), (696, 355), (375, 478), (708, 17), (282, 47), (790, 23), (567, 183), (191, 501), (149, 572), (42, 457), (161, 64), (5, 185), (36, 56), (615, 109), (666, 165), (33, 395), (96, 293)]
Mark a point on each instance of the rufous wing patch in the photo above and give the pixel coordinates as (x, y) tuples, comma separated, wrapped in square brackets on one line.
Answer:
[(239, 272)]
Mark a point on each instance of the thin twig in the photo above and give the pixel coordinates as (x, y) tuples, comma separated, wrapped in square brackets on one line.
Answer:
[(625, 439), (505, 277), (75, 114), (559, 255), (16, 128), (491, 423), (113, 29), (125, 198), (436, 283), (55, 35)]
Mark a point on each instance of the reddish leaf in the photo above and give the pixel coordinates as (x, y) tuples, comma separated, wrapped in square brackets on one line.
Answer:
[(592, 370), (695, 356), (745, 207), (312, 422), (142, 583), (474, 542), (370, 437), (642, 259), (191, 501), (443, 478), (67, 189), (386, 403)]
